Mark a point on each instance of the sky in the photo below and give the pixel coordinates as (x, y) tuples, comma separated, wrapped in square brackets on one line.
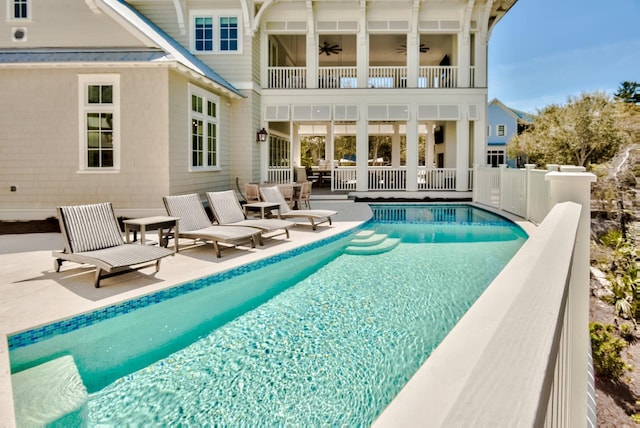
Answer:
[(544, 51)]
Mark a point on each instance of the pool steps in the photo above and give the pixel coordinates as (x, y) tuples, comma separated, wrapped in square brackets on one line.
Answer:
[(50, 393), (367, 242)]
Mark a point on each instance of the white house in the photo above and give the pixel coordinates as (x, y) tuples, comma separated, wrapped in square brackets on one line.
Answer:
[(503, 123), (128, 101)]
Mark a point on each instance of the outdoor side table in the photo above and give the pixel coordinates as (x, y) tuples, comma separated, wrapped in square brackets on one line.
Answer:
[(159, 223), (262, 207)]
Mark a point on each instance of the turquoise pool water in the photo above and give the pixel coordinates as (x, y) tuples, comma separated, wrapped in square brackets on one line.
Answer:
[(321, 338)]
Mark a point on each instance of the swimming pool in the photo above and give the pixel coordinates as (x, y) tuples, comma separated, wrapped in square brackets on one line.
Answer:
[(316, 337)]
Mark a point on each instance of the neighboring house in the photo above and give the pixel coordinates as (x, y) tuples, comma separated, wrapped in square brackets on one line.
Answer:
[(128, 101), (504, 122)]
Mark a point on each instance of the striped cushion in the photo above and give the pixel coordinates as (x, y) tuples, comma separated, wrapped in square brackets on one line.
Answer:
[(91, 227), (272, 194), (190, 211), (225, 207)]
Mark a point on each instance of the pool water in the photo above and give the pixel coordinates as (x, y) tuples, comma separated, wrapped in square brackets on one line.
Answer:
[(323, 338)]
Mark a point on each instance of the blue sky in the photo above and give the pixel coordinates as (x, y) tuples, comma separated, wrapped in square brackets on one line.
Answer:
[(544, 51)]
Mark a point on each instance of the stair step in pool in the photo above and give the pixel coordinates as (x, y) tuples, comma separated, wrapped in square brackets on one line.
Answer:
[(365, 234), (373, 239), (386, 245)]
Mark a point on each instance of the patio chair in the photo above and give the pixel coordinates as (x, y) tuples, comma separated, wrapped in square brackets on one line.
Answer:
[(252, 192), (287, 192), (92, 235), (315, 217), (195, 224), (305, 195), (227, 211)]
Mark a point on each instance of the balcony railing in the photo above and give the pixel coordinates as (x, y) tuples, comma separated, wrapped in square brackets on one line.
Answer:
[(429, 77)]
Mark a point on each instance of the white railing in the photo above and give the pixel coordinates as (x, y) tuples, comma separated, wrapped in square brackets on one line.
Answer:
[(287, 77), (436, 178), (541, 378), (387, 77), (337, 77), (387, 178), (279, 174), (343, 178), (438, 77), (538, 191)]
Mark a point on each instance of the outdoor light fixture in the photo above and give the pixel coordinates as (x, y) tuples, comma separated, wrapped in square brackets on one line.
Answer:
[(261, 135)]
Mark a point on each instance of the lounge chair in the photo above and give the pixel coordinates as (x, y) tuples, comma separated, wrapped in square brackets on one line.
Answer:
[(227, 211), (195, 224), (92, 235), (315, 217), (252, 192)]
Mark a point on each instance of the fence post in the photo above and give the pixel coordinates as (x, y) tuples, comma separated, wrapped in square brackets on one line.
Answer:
[(576, 187), (529, 167), (501, 185)]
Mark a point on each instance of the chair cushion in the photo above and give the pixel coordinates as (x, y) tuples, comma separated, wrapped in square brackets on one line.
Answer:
[(190, 211), (272, 194), (225, 207)]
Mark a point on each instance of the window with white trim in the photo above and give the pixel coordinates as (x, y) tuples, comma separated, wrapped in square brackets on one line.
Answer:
[(20, 9), (215, 32), (495, 157), (501, 130), (204, 129), (99, 118)]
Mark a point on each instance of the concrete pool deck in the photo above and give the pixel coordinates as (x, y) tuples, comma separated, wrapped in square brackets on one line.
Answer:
[(33, 294)]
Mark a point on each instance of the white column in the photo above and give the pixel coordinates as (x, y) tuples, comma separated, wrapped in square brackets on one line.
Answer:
[(576, 187), (362, 48), (464, 60), (362, 151), (431, 144), (395, 146), (312, 60), (462, 153), (412, 152), (480, 60)]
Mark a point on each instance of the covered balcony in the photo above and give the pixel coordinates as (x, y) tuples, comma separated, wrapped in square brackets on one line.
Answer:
[(388, 62)]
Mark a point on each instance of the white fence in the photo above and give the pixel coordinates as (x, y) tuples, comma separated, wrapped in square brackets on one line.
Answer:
[(523, 192)]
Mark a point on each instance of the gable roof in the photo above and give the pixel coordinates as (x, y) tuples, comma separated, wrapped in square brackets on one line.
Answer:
[(517, 114), (161, 48)]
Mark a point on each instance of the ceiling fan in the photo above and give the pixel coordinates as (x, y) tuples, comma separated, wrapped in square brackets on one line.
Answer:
[(328, 48), (403, 48)]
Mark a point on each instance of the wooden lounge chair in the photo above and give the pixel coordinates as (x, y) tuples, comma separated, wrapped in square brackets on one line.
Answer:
[(195, 224), (315, 217), (227, 211), (91, 235)]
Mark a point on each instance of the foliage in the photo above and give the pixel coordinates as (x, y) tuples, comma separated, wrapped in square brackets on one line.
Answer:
[(588, 129), (628, 92), (607, 348), (622, 274)]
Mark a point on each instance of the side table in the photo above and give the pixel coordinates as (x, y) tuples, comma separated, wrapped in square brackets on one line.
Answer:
[(152, 223), (262, 207)]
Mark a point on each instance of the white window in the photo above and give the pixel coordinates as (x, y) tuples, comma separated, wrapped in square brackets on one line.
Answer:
[(215, 32), (99, 96), (19, 9), (501, 130), (203, 130), (495, 157)]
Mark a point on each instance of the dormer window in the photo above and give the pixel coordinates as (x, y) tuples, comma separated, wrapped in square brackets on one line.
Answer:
[(20, 9)]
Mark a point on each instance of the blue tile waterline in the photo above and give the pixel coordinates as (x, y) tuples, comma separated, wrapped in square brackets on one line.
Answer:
[(77, 322)]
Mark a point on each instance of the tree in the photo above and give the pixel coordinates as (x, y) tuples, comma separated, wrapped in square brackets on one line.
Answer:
[(588, 129), (629, 92)]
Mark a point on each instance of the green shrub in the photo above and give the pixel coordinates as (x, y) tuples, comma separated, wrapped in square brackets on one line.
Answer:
[(607, 349)]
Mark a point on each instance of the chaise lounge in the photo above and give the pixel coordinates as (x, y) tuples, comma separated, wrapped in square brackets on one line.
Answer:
[(195, 224), (92, 236), (227, 211), (315, 217)]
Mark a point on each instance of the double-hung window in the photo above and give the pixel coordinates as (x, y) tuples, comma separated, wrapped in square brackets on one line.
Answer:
[(214, 32), (204, 129), (99, 119), (20, 9)]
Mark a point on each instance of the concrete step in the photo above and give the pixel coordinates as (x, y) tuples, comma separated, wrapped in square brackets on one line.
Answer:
[(368, 241), (386, 245)]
